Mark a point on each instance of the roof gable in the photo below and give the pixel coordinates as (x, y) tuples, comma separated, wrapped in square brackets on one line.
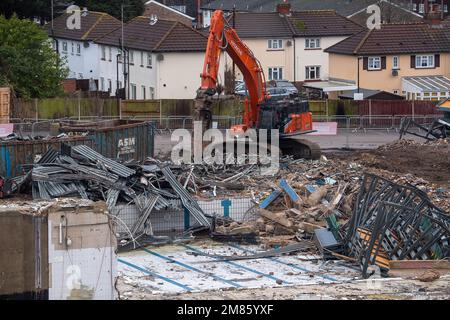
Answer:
[(300, 24), (93, 25), (395, 39), (323, 23), (164, 35)]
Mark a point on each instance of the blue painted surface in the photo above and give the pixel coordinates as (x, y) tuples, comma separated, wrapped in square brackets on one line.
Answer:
[(187, 219), (154, 274), (5, 162), (294, 266), (288, 189), (310, 188), (226, 204), (184, 265), (239, 266), (266, 202)]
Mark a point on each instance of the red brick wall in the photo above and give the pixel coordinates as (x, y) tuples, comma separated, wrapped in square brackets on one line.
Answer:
[(165, 14), (70, 85)]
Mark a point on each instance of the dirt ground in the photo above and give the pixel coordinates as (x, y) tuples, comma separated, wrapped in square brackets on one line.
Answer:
[(430, 161)]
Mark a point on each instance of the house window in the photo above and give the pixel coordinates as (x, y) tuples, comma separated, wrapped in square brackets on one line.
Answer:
[(275, 73), (131, 57), (395, 63), (152, 93), (374, 63), (142, 59), (64, 46), (110, 54), (144, 96), (73, 47), (445, 8), (414, 7), (102, 84), (313, 72), (119, 56), (149, 60), (133, 91), (421, 8), (312, 43), (103, 53), (425, 61), (276, 44), (109, 85)]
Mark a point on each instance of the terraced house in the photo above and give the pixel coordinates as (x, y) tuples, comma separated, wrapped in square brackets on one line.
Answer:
[(412, 60), (140, 61), (290, 45)]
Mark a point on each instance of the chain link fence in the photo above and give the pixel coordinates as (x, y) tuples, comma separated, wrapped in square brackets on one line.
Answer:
[(33, 128)]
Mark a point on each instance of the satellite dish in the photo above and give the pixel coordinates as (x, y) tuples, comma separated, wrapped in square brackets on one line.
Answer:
[(153, 19)]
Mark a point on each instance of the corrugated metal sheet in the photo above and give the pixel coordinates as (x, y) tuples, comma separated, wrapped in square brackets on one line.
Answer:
[(123, 139), (119, 139), (17, 156)]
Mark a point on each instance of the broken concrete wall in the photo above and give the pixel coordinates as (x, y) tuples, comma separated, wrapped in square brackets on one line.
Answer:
[(82, 255), (23, 254), (62, 249)]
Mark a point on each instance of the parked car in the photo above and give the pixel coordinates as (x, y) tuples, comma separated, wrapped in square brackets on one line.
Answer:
[(283, 84), (241, 89), (278, 93), (281, 91)]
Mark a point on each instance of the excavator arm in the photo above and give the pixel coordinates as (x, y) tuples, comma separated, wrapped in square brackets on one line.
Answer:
[(223, 38)]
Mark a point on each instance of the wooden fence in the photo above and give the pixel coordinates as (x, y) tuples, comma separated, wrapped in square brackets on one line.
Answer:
[(58, 108)]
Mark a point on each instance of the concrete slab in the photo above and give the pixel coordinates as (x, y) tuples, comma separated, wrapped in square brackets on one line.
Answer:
[(174, 269)]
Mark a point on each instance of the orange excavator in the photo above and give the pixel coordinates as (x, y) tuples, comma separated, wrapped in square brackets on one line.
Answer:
[(290, 116)]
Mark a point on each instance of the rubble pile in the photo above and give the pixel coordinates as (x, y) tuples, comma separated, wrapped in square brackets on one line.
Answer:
[(325, 202)]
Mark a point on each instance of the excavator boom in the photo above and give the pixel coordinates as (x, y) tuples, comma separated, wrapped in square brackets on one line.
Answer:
[(291, 117)]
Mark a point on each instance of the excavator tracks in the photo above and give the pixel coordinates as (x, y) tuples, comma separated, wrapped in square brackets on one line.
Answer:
[(300, 148)]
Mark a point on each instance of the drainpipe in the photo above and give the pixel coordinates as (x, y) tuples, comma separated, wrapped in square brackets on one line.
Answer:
[(295, 60)]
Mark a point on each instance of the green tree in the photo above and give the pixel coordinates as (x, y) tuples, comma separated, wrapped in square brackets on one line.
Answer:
[(27, 61), (132, 8), (27, 9)]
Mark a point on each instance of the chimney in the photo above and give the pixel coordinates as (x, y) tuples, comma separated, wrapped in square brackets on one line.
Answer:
[(284, 8), (433, 15)]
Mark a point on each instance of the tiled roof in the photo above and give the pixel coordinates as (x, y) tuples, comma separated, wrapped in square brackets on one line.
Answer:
[(395, 39), (261, 25), (164, 35), (343, 7), (323, 23), (93, 25), (304, 23), (182, 38)]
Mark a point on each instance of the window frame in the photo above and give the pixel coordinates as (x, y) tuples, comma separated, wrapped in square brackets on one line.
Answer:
[(103, 49), (428, 66), (65, 47), (133, 91), (149, 60), (308, 70), (395, 66), (309, 41), (370, 66), (131, 57), (279, 73), (279, 44), (151, 93)]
